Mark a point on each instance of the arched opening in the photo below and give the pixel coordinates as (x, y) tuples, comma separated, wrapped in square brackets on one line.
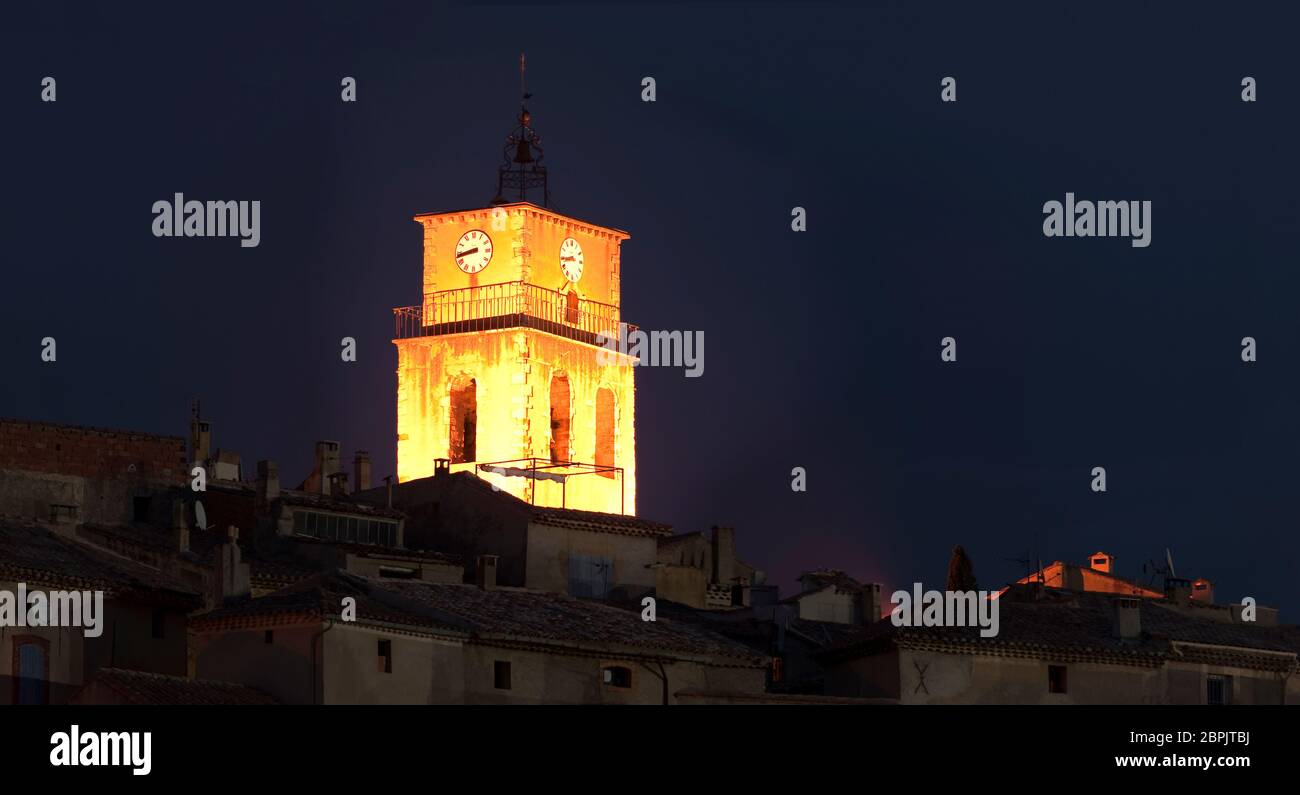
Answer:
[(605, 429), (559, 418), (463, 435)]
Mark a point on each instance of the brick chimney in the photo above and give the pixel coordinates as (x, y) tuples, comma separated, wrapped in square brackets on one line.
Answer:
[(361, 468), (327, 463), (485, 572), (180, 528), (1127, 618)]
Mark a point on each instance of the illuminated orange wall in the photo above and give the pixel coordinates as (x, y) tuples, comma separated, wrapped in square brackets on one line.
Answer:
[(526, 247), (1054, 576), (513, 367)]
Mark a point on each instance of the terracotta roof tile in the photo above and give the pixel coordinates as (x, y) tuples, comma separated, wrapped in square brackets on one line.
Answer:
[(139, 687), (600, 522), (499, 615), (40, 556), (1079, 625)]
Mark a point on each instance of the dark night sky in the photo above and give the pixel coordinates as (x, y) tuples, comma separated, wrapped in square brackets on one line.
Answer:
[(821, 349)]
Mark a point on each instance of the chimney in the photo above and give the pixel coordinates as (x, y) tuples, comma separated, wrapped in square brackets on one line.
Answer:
[(231, 573), (268, 482), (388, 482), (441, 467), (485, 574), (180, 528), (724, 555), (327, 463), (200, 439), (1178, 590), (869, 604), (338, 484), (361, 468), (1127, 618), (1203, 591), (1103, 562)]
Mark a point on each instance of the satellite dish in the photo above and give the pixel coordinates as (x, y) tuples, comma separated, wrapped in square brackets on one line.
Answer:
[(200, 516)]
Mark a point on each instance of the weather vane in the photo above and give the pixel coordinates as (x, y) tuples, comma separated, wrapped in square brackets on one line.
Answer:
[(523, 169)]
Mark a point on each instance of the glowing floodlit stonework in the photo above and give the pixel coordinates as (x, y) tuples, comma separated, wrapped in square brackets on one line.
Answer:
[(500, 361)]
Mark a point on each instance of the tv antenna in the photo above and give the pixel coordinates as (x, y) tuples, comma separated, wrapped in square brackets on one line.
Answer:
[(1154, 569)]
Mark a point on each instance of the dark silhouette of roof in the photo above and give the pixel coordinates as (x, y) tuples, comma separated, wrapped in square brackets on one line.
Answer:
[(503, 615), (140, 687), (1048, 622), (41, 556)]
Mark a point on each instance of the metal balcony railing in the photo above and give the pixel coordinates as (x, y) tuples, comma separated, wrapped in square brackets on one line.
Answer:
[(507, 305)]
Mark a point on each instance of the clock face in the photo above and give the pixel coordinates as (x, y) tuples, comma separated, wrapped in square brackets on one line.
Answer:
[(571, 259), (473, 251)]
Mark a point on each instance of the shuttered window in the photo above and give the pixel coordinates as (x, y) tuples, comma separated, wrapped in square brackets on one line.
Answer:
[(589, 575), (31, 665)]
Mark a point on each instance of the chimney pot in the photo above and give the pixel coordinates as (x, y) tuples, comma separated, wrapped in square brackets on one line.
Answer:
[(724, 555), (1178, 590), (1203, 591), (1127, 618), (361, 468), (327, 463), (200, 439), (485, 575), (441, 467), (232, 574), (869, 604), (268, 481)]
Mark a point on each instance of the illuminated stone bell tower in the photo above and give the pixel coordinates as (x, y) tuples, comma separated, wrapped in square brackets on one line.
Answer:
[(500, 369)]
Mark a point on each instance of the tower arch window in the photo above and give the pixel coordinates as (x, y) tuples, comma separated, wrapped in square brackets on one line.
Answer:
[(463, 433), (605, 429), (559, 418)]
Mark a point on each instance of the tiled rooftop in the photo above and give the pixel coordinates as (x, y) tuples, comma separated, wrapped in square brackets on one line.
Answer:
[(41, 556), (495, 615), (139, 687), (1080, 624)]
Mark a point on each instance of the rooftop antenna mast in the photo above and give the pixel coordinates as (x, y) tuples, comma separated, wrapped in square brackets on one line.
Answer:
[(1155, 570), (1026, 561), (522, 170)]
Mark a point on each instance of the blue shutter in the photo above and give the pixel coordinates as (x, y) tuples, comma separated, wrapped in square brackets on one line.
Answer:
[(600, 576), (577, 572), (31, 672)]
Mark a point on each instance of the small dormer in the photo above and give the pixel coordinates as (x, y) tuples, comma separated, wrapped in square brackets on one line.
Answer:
[(1102, 562)]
